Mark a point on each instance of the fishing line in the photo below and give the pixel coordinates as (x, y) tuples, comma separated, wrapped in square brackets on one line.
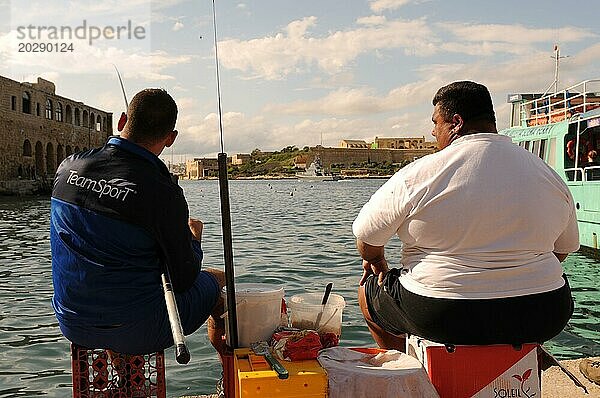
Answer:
[(218, 77)]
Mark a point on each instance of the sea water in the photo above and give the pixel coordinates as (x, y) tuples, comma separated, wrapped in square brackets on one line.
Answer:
[(288, 232)]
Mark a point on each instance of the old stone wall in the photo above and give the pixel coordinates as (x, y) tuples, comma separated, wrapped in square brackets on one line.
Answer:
[(38, 129), (356, 156)]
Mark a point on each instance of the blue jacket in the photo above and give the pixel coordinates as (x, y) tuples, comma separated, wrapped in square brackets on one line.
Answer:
[(117, 220)]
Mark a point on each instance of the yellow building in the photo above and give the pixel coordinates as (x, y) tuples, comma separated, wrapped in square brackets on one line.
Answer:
[(240, 158), (399, 143), (198, 168), (354, 144)]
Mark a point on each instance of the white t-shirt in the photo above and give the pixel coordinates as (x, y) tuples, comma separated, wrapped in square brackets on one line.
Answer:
[(479, 219)]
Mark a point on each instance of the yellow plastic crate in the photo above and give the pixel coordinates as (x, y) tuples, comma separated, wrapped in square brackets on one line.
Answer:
[(254, 378)]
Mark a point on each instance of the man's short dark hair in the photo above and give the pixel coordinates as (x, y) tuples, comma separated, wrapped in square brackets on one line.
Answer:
[(151, 115), (470, 100)]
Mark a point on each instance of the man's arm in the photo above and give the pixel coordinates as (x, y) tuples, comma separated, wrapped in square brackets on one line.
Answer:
[(568, 241), (196, 227), (561, 256), (374, 261), (179, 239)]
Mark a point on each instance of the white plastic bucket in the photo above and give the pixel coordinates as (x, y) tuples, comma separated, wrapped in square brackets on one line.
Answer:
[(305, 310), (258, 308)]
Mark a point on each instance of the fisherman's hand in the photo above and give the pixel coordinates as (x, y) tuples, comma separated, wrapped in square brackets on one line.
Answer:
[(196, 226), (379, 268)]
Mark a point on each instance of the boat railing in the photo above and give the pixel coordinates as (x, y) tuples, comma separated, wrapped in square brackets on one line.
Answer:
[(559, 106), (575, 174), (591, 173)]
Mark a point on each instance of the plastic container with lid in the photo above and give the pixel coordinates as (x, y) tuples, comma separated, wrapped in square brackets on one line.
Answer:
[(305, 308), (258, 308)]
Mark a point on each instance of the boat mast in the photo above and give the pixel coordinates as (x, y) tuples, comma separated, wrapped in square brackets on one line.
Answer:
[(557, 57), (556, 65)]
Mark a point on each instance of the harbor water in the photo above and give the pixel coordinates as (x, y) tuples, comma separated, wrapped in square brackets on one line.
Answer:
[(288, 232)]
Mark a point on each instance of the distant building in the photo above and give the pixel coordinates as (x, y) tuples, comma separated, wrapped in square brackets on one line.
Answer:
[(354, 157), (431, 145), (257, 153), (399, 143), (240, 158), (198, 168), (40, 128), (300, 161), (354, 144)]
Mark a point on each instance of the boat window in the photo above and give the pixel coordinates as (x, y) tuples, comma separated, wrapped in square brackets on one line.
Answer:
[(526, 145), (574, 174), (515, 117), (552, 152), (543, 144), (590, 160), (535, 148)]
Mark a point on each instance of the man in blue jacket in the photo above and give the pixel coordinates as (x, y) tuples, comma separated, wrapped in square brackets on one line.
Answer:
[(117, 222)]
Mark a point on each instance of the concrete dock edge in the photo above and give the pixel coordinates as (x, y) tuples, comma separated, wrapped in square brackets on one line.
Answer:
[(555, 383)]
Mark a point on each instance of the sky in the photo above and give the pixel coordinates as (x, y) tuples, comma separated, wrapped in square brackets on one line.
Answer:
[(299, 72)]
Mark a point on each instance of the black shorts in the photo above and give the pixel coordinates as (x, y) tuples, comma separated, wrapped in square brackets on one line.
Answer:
[(512, 320)]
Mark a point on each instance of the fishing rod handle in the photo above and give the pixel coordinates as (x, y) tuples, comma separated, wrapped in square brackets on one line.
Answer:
[(182, 354)]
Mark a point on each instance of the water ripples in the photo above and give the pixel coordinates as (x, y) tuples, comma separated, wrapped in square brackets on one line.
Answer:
[(293, 233)]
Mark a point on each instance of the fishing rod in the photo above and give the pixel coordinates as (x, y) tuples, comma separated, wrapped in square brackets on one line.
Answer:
[(182, 354), (225, 209)]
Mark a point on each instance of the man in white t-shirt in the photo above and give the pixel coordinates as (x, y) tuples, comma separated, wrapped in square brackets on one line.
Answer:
[(484, 226)]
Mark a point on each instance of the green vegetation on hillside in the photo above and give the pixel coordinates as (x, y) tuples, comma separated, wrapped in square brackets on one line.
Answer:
[(281, 164), (276, 164)]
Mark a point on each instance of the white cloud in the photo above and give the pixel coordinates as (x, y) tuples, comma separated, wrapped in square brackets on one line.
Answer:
[(382, 5), (361, 102), (199, 135), (586, 60), (241, 133), (340, 102), (372, 20), (85, 59), (295, 51), (490, 39), (68, 11), (177, 26), (51, 76), (515, 34), (410, 104), (112, 101), (362, 113)]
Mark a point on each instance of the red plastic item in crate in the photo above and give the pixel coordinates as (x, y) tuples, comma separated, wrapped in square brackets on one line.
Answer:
[(99, 373)]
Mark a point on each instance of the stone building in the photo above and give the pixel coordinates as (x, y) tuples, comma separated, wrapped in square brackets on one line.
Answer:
[(354, 144), (40, 128), (198, 168), (399, 143), (240, 158), (353, 157), (431, 145), (300, 161)]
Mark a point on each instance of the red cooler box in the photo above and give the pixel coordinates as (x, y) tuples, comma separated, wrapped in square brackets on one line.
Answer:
[(492, 371)]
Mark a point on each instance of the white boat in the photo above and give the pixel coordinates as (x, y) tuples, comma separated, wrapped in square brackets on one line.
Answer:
[(314, 172)]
